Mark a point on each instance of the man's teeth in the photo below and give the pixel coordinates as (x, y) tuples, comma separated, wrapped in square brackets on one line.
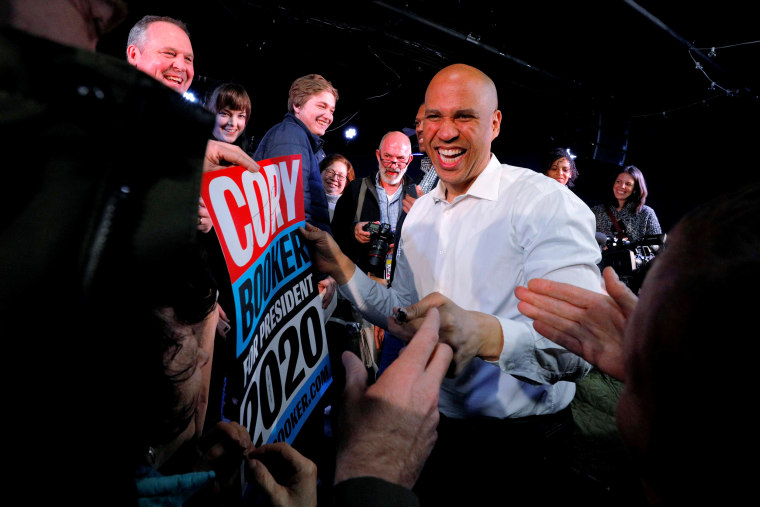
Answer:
[(175, 79), (450, 154)]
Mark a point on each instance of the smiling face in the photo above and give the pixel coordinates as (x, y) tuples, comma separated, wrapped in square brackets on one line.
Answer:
[(560, 170), (166, 55), (623, 187), (334, 178), (229, 125), (461, 121), (317, 112)]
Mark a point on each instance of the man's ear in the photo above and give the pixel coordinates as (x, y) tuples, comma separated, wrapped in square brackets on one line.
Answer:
[(133, 54), (496, 124)]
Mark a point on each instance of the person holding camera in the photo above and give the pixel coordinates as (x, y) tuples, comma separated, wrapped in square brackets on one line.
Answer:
[(626, 215), (365, 219), (370, 207), (630, 228)]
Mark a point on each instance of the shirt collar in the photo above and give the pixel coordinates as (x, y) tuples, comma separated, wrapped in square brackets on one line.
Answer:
[(315, 141), (485, 186)]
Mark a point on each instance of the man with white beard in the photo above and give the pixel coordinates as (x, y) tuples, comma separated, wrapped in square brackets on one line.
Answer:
[(376, 198)]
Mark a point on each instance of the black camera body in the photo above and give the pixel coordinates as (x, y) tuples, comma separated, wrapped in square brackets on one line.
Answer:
[(380, 240), (630, 259)]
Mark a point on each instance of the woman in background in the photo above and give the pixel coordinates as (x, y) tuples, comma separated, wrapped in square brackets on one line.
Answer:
[(626, 215), (336, 171), (232, 107), (559, 165)]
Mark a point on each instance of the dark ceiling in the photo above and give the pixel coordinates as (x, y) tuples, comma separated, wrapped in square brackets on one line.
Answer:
[(616, 81)]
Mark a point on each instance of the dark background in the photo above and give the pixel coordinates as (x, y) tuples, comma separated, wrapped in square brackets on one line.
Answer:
[(615, 81)]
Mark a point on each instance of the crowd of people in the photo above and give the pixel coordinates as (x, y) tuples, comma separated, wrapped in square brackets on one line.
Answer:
[(474, 323)]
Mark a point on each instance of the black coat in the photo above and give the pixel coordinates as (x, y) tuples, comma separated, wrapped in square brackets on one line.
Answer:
[(344, 220)]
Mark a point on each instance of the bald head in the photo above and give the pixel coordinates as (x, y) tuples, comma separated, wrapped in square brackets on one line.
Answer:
[(461, 120), (395, 137), (393, 157), (460, 74)]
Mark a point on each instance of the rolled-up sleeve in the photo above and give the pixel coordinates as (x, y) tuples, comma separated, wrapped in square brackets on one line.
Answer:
[(557, 235)]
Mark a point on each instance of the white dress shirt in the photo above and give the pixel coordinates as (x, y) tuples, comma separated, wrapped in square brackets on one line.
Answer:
[(511, 226)]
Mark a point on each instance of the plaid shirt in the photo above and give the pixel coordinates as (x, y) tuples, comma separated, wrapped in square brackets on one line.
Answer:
[(430, 179)]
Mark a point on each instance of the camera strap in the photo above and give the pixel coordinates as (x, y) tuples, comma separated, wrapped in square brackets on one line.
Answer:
[(620, 232), (360, 202)]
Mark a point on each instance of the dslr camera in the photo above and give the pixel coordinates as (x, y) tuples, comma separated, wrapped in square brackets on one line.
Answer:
[(630, 259), (380, 239)]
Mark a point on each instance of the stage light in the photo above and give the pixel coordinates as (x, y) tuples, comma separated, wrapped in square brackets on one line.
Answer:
[(190, 96), (572, 156), (350, 133)]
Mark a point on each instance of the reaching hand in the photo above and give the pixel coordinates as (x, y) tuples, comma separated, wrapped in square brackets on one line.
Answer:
[(469, 333), (326, 254), (586, 323), (222, 450), (388, 430), (283, 475)]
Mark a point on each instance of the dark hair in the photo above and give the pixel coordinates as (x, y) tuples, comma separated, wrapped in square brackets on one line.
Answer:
[(137, 32), (639, 195), (152, 337), (555, 154), (230, 96), (306, 86), (337, 157), (711, 251)]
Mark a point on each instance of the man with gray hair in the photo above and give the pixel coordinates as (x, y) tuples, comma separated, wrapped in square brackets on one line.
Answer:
[(160, 46), (376, 199)]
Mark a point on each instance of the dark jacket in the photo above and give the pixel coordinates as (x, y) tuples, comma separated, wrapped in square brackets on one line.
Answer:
[(91, 194), (344, 219), (371, 492), (291, 137)]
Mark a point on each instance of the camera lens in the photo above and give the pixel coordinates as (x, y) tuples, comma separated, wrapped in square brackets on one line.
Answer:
[(378, 248)]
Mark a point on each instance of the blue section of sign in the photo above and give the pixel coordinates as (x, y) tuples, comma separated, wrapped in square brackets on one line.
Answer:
[(302, 404), (277, 266)]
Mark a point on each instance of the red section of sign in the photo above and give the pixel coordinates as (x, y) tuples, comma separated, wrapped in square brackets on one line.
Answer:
[(249, 209)]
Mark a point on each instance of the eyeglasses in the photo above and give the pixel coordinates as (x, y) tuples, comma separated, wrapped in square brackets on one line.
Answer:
[(332, 174), (388, 160)]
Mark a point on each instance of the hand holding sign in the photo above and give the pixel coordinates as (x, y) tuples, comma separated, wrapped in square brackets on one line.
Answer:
[(283, 475), (218, 152), (327, 255)]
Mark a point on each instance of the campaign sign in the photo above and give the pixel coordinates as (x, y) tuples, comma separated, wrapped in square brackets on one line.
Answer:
[(281, 348)]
